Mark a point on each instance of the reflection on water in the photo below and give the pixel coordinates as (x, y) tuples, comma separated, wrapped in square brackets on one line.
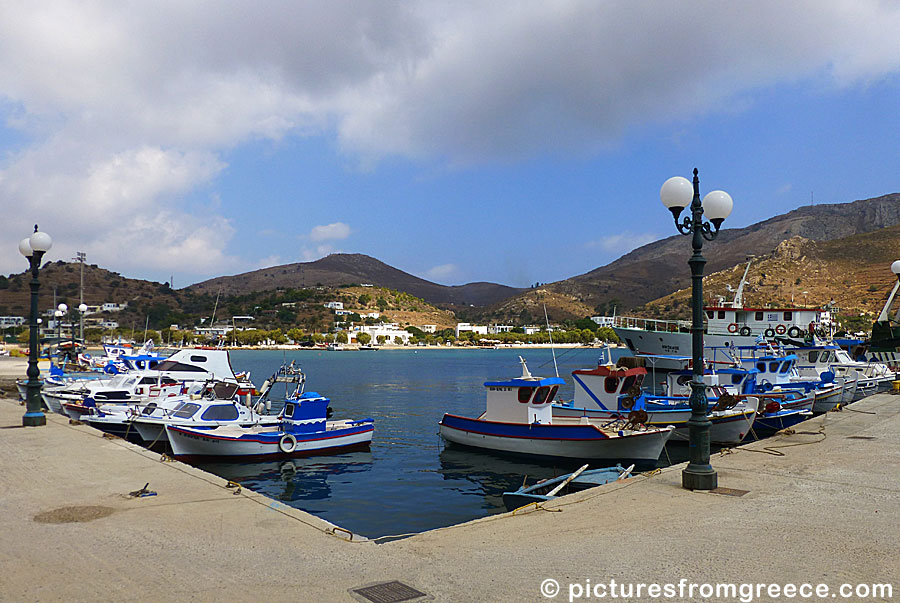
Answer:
[(408, 482)]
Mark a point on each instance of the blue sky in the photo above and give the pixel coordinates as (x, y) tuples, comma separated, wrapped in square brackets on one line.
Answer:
[(466, 141)]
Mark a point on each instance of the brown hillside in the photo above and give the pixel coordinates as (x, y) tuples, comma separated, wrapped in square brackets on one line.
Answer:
[(853, 273)]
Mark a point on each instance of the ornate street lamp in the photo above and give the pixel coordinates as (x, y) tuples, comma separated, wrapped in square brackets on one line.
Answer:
[(34, 248), (61, 311), (676, 194), (82, 308)]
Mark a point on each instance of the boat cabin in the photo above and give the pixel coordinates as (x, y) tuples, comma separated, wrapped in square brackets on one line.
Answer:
[(524, 400), (768, 322), (305, 414), (735, 380), (600, 388)]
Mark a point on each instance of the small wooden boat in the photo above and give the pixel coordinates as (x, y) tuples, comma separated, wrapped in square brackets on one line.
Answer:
[(577, 481)]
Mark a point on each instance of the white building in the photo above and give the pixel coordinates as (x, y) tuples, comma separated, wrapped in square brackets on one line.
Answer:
[(109, 324), (462, 327), (113, 307), (343, 312), (531, 330), (334, 305), (373, 315), (11, 321), (429, 328), (604, 321), (494, 329), (388, 331)]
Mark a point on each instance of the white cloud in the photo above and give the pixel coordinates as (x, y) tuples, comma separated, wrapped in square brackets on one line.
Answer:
[(328, 232), (622, 242), (444, 273), (308, 254), (268, 262), (122, 111)]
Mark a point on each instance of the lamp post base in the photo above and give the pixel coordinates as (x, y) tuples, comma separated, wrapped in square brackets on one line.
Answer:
[(34, 419), (699, 477)]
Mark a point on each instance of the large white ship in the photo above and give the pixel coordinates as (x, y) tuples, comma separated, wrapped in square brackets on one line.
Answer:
[(728, 324)]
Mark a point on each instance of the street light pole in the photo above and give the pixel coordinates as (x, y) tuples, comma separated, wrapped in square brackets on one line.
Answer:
[(34, 249), (675, 194)]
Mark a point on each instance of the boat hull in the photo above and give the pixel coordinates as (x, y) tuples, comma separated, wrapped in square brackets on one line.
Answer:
[(191, 444), (556, 441)]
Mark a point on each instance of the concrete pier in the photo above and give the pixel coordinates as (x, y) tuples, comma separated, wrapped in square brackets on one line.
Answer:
[(820, 506)]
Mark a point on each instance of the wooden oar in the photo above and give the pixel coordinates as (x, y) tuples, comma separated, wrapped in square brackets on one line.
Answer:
[(567, 480)]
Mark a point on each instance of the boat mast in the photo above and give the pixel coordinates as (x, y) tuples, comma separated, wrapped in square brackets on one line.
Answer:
[(739, 294), (550, 333)]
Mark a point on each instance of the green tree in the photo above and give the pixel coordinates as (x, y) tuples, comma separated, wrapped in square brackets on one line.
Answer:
[(363, 338), (295, 334), (399, 340), (342, 337), (364, 299), (381, 339)]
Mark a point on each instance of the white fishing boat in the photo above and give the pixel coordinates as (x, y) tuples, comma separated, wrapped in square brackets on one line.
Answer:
[(519, 419), (728, 324)]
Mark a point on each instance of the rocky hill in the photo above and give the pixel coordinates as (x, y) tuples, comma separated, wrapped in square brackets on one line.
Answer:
[(354, 269), (852, 273), (656, 269)]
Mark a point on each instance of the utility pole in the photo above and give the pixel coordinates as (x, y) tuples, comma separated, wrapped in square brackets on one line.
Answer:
[(80, 256)]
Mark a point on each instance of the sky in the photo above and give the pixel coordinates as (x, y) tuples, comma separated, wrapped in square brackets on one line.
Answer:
[(510, 142)]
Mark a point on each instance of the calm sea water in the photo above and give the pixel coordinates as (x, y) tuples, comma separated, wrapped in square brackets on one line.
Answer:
[(409, 481)]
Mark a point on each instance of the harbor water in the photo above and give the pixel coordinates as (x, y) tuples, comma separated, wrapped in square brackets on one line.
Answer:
[(409, 481)]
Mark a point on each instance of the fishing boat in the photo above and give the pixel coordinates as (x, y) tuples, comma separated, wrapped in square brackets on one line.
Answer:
[(727, 324), (193, 367), (302, 430), (609, 391), (519, 419), (548, 489)]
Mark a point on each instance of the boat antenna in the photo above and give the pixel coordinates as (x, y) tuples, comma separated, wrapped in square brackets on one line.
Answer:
[(146, 326), (215, 307), (550, 333), (739, 294), (525, 373)]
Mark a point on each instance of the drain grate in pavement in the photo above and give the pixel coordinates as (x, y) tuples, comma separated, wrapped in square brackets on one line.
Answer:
[(729, 491), (860, 437), (388, 592)]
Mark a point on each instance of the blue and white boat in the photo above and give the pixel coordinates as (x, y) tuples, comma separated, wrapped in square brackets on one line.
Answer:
[(519, 419), (302, 431)]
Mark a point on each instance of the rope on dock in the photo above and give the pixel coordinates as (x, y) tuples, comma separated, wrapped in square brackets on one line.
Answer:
[(776, 450)]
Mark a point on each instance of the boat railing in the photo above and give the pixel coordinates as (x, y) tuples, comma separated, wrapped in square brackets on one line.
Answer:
[(652, 324)]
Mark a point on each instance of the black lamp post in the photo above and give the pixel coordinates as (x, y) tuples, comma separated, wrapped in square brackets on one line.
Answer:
[(34, 248), (676, 193)]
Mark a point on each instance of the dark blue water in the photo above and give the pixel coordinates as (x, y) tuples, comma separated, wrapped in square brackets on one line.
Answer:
[(409, 481)]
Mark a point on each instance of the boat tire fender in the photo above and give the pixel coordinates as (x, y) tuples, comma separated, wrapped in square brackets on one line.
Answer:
[(733, 327), (745, 330), (795, 331), (780, 329), (287, 443), (770, 332)]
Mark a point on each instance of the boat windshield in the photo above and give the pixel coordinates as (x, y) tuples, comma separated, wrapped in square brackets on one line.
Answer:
[(541, 396), (220, 412), (186, 410), (525, 394)]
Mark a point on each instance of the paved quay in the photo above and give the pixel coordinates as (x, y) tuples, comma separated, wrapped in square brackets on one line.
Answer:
[(822, 506)]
